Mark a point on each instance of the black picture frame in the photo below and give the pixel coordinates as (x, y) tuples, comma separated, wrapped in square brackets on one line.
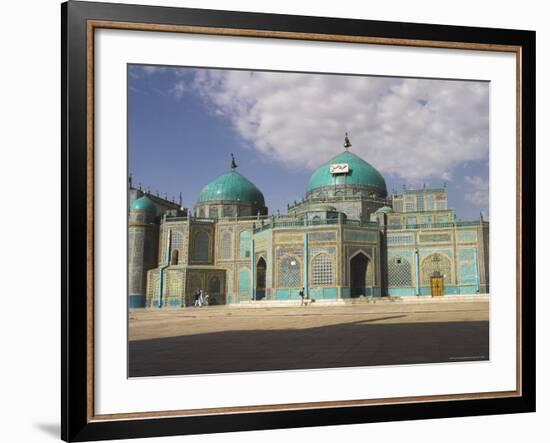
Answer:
[(77, 424)]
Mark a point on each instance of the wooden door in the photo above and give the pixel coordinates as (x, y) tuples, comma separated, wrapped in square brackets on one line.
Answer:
[(437, 285)]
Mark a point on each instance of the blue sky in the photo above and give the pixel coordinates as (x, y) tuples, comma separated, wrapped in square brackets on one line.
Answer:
[(183, 123)]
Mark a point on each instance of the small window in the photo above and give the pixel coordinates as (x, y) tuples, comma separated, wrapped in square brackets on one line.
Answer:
[(244, 244), (226, 246), (175, 257)]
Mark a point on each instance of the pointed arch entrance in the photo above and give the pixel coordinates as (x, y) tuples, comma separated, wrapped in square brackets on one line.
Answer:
[(360, 275), (261, 268)]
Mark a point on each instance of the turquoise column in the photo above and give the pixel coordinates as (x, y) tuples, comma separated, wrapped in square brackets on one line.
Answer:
[(416, 266), (252, 272), (476, 270), (306, 275), (163, 267), (159, 301)]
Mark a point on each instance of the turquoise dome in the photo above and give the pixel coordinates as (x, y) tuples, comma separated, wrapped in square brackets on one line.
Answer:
[(232, 187), (384, 210), (360, 173), (144, 203)]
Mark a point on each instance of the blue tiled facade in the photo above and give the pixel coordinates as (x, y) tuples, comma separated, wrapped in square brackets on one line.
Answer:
[(346, 239)]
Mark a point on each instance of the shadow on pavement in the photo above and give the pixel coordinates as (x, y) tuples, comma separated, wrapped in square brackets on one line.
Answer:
[(359, 343)]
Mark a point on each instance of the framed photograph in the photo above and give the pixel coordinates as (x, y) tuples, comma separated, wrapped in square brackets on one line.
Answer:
[(277, 221)]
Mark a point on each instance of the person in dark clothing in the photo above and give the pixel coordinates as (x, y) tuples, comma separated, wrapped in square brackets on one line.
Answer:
[(197, 297), (302, 295)]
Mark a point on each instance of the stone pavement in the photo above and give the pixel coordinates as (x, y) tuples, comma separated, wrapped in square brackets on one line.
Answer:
[(221, 339)]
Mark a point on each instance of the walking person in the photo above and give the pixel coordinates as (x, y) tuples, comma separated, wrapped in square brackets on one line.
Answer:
[(197, 295), (201, 298), (206, 299), (302, 295)]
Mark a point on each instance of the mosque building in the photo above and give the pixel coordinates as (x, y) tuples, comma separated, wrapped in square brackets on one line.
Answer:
[(346, 239)]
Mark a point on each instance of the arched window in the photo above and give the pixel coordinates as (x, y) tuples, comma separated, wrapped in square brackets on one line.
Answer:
[(201, 246), (316, 220), (226, 246), (244, 244), (289, 273), (321, 270), (175, 257), (213, 212), (435, 263), (261, 269), (214, 287), (399, 272), (201, 213), (176, 244)]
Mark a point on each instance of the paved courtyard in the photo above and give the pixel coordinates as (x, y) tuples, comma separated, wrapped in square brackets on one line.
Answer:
[(227, 339)]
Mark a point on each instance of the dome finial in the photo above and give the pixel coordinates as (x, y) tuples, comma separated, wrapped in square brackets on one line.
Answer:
[(347, 143), (233, 163)]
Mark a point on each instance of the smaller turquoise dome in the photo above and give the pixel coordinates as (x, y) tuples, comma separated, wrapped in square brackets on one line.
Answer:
[(232, 187), (143, 203), (384, 209)]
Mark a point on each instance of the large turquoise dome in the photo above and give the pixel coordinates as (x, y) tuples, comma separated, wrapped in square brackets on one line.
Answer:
[(360, 173), (232, 187)]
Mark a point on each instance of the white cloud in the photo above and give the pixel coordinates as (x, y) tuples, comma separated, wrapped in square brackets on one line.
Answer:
[(479, 193), (411, 128), (150, 70), (145, 70), (178, 90)]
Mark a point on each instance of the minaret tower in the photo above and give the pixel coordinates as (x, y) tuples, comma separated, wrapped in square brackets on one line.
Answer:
[(142, 243)]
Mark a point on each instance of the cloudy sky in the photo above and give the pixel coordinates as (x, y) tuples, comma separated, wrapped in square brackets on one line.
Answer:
[(183, 123)]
